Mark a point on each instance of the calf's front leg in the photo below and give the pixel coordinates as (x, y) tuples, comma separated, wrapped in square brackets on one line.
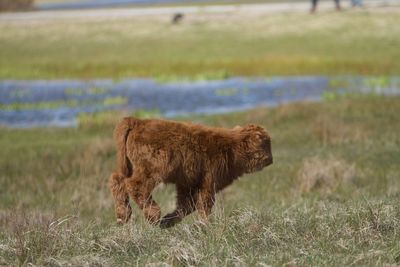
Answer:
[(205, 202)]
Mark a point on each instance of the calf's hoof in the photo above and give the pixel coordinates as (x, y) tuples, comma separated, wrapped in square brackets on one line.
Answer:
[(169, 220), (123, 214)]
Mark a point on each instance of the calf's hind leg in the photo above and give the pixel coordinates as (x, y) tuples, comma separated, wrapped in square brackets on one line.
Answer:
[(123, 210), (139, 188), (186, 204)]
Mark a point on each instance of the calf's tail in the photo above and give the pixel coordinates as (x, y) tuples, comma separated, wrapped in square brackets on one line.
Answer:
[(121, 133)]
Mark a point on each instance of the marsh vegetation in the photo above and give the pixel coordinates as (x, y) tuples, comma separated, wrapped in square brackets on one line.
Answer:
[(213, 45), (13, 5)]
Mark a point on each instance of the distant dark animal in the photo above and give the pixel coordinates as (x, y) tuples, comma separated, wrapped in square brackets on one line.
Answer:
[(176, 18), (199, 160), (314, 4)]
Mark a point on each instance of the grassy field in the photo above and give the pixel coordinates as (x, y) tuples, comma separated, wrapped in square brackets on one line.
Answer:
[(331, 198), (203, 45)]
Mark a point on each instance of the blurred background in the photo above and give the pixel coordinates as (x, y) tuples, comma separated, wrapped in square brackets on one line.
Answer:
[(63, 59), (321, 76)]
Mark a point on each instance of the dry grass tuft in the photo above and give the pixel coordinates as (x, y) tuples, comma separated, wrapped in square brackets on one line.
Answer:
[(332, 131), (324, 175), (31, 234)]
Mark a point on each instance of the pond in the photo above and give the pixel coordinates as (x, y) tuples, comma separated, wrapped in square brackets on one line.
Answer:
[(58, 102)]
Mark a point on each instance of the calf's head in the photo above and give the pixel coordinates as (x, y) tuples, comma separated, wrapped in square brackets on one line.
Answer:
[(254, 148)]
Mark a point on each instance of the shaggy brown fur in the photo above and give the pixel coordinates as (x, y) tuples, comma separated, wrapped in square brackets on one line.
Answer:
[(199, 160)]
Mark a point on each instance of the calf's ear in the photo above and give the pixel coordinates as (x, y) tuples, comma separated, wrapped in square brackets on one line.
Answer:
[(253, 127)]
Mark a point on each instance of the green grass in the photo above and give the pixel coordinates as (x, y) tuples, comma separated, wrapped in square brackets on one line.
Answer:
[(331, 198), (203, 46)]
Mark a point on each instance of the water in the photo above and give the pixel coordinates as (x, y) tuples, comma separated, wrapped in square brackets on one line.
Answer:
[(58, 103), (104, 3)]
